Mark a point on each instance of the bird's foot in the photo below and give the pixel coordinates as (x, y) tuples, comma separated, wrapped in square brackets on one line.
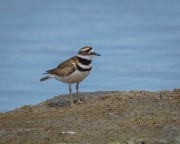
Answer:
[(80, 102), (72, 104)]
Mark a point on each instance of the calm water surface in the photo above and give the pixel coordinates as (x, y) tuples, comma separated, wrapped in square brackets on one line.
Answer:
[(139, 43)]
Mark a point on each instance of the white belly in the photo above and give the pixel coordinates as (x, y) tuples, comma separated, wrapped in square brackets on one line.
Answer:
[(75, 77)]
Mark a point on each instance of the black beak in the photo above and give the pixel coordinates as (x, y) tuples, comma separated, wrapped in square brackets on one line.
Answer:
[(96, 54)]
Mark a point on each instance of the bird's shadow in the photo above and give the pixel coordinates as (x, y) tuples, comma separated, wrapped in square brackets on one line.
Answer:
[(64, 100)]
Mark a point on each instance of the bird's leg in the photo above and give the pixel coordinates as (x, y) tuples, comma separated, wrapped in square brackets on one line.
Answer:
[(79, 101), (71, 99)]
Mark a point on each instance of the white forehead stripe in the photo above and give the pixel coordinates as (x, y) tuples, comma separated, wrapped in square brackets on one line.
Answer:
[(91, 51)]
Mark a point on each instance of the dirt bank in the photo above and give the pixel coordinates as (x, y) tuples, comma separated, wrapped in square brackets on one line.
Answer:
[(106, 117)]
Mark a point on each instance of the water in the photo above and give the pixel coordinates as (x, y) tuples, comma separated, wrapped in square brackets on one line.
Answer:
[(139, 43)]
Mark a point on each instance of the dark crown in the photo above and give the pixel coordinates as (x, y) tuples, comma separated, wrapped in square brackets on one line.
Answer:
[(84, 50)]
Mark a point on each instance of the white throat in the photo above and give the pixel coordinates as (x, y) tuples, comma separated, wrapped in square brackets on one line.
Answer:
[(88, 57)]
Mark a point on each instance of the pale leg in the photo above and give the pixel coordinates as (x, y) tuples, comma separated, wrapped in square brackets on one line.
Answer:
[(71, 99), (79, 101)]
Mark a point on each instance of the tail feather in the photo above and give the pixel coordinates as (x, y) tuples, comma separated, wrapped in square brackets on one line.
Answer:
[(45, 78), (49, 71)]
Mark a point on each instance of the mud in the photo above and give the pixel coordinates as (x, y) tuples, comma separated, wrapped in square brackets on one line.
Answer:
[(113, 117)]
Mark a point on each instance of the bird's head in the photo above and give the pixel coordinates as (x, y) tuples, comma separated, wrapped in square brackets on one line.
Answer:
[(87, 53)]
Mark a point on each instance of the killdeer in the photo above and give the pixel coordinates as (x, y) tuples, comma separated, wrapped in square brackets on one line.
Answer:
[(73, 70)]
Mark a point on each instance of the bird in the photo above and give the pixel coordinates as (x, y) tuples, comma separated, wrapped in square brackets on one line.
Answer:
[(74, 70)]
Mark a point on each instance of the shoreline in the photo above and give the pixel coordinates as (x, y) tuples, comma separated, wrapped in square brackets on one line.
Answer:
[(105, 117)]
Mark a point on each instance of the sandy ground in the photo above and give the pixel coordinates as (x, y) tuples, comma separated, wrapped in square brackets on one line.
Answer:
[(113, 117)]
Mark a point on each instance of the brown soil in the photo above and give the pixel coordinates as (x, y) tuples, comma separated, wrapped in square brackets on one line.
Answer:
[(105, 118)]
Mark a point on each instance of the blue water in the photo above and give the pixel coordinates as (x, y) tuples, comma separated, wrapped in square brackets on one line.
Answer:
[(139, 43)]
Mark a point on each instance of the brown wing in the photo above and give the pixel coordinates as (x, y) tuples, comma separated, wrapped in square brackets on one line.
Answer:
[(65, 68)]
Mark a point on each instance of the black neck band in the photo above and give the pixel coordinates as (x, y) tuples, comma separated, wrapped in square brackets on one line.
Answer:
[(84, 61)]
